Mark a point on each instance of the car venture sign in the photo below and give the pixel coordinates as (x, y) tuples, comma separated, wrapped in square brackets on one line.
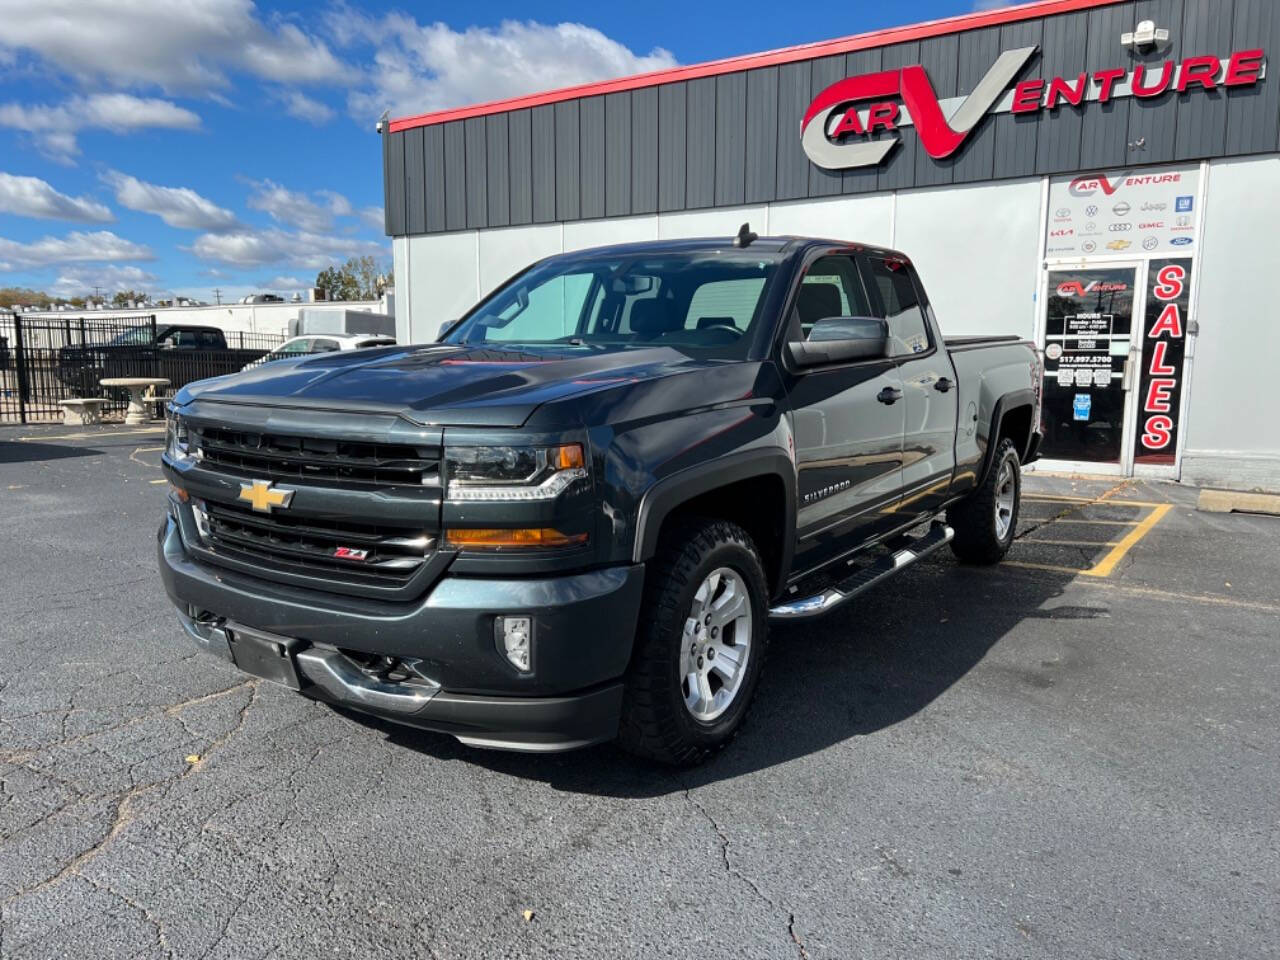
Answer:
[(855, 121)]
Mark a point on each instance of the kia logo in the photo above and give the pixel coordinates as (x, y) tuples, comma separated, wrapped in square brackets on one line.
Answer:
[(940, 135)]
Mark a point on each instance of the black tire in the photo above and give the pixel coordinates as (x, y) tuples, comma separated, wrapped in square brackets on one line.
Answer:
[(978, 539), (656, 723)]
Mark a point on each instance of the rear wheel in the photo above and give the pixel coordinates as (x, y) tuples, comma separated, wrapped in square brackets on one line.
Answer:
[(986, 520), (699, 645)]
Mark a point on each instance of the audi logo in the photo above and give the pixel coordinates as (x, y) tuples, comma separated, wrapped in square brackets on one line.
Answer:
[(1120, 227)]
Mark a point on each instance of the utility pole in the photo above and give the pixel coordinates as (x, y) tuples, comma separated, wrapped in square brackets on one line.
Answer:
[(217, 295)]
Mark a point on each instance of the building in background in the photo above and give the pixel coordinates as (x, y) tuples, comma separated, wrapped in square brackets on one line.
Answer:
[(1100, 176)]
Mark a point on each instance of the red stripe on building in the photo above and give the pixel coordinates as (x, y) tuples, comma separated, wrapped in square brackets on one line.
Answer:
[(805, 51)]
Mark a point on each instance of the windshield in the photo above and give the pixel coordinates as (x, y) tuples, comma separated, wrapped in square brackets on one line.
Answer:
[(138, 335), (705, 301)]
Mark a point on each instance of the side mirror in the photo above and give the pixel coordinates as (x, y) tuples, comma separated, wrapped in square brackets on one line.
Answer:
[(444, 327), (840, 340)]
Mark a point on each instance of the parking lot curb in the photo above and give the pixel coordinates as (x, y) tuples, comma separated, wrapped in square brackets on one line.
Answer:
[(1232, 501)]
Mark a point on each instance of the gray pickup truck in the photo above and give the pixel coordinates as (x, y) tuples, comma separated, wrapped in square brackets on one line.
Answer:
[(573, 519)]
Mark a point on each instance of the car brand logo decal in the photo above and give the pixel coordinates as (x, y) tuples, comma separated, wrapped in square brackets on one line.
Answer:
[(1088, 246), (264, 496), (1119, 245), (1121, 209), (1181, 241), (1150, 243)]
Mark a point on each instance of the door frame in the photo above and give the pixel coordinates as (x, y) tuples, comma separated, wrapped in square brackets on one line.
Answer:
[(1124, 466)]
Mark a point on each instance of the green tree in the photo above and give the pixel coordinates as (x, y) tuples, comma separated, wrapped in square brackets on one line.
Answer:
[(360, 278), (125, 297)]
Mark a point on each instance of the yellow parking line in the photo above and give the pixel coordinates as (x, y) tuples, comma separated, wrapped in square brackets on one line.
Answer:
[(1053, 568), (161, 480), (1108, 563), (1109, 523), (1049, 498), (1071, 543)]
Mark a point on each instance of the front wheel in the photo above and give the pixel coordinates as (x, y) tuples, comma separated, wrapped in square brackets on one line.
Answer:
[(699, 644), (985, 521)]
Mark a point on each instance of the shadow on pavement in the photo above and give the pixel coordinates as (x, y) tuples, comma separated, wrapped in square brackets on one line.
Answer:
[(855, 672), (12, 451)]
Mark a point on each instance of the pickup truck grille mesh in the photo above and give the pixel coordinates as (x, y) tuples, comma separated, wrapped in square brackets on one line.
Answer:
[(337, 462), (377, 555)]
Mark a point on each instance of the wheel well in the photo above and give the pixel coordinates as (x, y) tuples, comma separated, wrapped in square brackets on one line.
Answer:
[(757, 504), (1016, 425)]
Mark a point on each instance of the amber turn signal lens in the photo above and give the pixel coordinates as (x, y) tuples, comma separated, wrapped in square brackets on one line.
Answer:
[(535, 537), (569, 457), (178, 492)]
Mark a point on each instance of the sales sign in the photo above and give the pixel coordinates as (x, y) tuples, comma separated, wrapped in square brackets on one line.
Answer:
[(1164, 342)]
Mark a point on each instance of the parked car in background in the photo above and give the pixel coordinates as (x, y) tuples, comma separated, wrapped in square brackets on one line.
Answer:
[(323, 343), (131, 353)]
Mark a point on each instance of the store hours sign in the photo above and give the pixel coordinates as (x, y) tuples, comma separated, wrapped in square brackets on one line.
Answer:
[(1126, 213)]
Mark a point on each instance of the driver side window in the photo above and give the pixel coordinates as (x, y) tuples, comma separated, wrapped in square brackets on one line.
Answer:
[(832, 287)]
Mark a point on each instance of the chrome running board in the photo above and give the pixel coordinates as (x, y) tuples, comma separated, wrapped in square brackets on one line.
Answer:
[(866, 577)]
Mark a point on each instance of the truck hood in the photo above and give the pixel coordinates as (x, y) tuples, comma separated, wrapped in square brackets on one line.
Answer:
[(443, 384)]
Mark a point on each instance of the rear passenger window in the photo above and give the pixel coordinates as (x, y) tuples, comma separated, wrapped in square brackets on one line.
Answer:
[(908, 329), (830, 288)]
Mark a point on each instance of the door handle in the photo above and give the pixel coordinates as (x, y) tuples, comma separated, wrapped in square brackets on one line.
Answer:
[(889, 395), (942, 385), (1130, 369)]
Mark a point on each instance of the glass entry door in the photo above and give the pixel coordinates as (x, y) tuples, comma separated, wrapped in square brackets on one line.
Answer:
[(1088, 340)]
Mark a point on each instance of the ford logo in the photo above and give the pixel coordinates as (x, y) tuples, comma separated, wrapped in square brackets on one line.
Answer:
[(1181, 241)]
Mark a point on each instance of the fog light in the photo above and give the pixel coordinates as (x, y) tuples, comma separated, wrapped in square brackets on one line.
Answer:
[(514, 636)]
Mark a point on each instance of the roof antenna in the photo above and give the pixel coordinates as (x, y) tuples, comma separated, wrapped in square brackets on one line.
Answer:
[(745, 237)]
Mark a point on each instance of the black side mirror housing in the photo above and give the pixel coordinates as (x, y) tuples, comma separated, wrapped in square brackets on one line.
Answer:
[(841, 340)]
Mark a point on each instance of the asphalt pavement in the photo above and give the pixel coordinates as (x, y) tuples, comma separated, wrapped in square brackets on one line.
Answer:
[(1074, 754)]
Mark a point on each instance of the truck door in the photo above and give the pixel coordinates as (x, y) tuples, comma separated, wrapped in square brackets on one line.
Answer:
[(928, 382), (848, 423)]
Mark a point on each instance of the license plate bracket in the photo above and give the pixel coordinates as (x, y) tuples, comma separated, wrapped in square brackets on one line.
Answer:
[(264, 655)]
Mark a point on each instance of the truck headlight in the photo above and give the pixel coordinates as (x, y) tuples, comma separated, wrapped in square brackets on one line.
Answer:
[(177, 439), (513, 473)]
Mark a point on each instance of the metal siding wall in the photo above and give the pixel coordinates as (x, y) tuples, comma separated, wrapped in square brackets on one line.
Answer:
[(567, 181), (899, 170), (1252, 118), (863, 179), (700, 144), (591, 126), (455, 177), (672, 122), (940, 58), (975, 160), (1154, 122), (433, 170), (1016, 135), (822, 73), (761, 168), (644, 150), (1066, 40), (521, 145), (793, 100), (1202, 120), (1104, 142), (393, 193), (543, 135), (498, 170), (477, 175), (415, 182), (617, 154), (731, 139)]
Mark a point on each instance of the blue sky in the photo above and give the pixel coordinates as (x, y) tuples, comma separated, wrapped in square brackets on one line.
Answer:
[(180, 146)]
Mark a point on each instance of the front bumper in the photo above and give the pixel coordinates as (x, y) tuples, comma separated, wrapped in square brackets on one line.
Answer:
[(583, 627)]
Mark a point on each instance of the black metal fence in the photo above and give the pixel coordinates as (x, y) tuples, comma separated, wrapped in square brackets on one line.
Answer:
[(45, 360)]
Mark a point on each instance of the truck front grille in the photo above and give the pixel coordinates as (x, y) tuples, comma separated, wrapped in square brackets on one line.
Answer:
[(346, 551), (346, 463)]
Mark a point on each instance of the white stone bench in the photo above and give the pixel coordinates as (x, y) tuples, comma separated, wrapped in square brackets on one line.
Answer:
[(83, 412)]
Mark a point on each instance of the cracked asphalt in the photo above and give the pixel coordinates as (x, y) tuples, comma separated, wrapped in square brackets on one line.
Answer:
[(1021, 761)]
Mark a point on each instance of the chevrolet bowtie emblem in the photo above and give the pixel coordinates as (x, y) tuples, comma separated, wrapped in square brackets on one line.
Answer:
[(263, 497)]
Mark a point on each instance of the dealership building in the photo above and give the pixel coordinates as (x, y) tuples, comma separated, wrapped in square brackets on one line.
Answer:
[(1099, 176)]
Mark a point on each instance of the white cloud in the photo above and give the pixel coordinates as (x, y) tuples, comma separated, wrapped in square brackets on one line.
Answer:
[(33, 197), (419, 67), (189, 46), (289, 207), (287, 283), (77, 247), (179, 207), (76, 281), (257, 248), (298, 105), (54, 126), (374, 218), (339, 205)]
